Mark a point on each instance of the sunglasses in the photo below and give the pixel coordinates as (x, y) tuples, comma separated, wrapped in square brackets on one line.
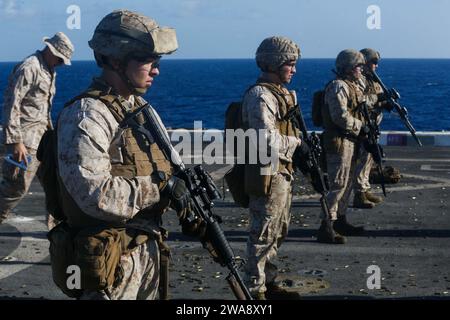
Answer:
[(154, 60)]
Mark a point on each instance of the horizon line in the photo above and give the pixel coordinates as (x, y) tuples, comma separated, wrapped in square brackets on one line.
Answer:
[(308, 58)]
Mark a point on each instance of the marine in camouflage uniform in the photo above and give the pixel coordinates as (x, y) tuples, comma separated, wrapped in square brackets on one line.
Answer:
[(376, 102), (264, 107), (112, 177), (342, 128), (27, 116)]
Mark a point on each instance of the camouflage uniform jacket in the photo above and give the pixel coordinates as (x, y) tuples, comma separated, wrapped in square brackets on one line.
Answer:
[(89, 140), (27, 102), (337, 98), (260, 111)]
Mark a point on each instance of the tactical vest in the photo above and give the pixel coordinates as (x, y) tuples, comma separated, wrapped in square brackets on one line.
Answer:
[(373, 87), (137, 156), (352, 107), (255, 183), (285, 126), (333, 135)]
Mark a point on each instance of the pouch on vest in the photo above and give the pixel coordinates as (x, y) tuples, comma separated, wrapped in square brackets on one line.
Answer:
[(61, 257), (97, 253), (47, 174)]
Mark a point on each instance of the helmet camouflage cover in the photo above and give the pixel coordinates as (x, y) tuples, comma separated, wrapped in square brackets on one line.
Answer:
[(347, 60), (123, 33), (273, 52), (371, 55)]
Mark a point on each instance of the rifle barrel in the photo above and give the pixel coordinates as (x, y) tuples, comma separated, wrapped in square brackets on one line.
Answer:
[(400, 110)]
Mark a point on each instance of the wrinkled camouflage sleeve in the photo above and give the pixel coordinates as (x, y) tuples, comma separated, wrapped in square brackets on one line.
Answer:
[(336, 97), (85, 133), (19, 84), (260, 112)]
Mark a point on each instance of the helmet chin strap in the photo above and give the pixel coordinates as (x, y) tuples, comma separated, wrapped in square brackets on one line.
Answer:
[(276, 72), (132, 87)]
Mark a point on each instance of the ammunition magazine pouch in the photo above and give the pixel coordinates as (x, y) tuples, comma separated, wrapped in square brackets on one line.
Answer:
[(95, 252)]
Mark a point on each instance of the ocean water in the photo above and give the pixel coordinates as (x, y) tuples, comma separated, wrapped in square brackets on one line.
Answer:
[(193, 90)]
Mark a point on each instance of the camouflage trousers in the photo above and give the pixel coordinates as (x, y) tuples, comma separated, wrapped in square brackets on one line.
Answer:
[(364, 165), (15, 183), (141, 276), (268, 227), (341, 169)]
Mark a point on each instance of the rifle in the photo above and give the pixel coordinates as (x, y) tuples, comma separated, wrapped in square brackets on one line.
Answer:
[(371, 142), (392, 96), (311, 166), (203, 192)]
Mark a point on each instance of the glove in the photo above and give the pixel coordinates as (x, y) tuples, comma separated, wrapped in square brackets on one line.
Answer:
[(217, 218), (304, 149), (300, 158), (373, 150), (179, 195), (381, 97), (364, 131), (301, 152), (387, 106), (196, 228)]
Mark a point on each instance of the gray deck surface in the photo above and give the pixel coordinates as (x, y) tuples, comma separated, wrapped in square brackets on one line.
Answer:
[(407, 237)]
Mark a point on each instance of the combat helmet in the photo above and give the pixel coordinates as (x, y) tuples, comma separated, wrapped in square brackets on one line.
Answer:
[(126, 35), (273, 52), (347, 60), (371, 55)]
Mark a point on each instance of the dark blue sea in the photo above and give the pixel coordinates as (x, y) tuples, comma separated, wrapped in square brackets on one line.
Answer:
[(189, 90)]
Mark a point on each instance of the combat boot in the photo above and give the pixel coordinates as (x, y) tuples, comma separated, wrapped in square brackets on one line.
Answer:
[(373, 198), (361, 201), (326, 234), (343, 227)]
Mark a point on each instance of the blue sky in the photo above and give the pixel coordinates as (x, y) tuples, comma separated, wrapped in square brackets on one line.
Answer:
[(234, 28)]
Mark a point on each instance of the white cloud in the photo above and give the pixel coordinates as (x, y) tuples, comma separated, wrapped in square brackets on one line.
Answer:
[(15, 8), (190, 5), (8, 7)]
